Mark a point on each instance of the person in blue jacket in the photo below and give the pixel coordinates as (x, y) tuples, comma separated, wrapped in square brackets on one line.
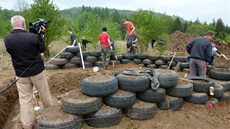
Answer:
[(200, 50)]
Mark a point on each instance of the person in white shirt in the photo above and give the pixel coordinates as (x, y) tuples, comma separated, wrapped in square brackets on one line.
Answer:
[(215, 44)]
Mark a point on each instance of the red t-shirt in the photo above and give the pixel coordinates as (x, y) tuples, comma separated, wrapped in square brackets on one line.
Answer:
[(129, 27), (103, 38)]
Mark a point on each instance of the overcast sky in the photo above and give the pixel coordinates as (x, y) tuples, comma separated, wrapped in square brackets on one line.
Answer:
[(204, 10)]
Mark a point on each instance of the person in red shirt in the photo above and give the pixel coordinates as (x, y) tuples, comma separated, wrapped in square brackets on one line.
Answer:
[(130, 32), (104, 42)]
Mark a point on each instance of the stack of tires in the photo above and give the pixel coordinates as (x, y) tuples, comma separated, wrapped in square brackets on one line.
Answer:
[(103, 100), (201, 86), (71, 58), (82, 105), (221, 77)]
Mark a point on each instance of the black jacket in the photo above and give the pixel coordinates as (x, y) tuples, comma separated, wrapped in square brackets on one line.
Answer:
[(24, 49), (200, 48)]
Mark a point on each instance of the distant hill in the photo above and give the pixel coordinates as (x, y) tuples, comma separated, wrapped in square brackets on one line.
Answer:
[(76, 11)]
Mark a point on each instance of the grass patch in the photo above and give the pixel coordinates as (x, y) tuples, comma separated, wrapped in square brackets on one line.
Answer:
[(2, 47)]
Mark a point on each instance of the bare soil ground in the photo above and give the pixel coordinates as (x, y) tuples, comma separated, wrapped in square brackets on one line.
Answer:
[(191, 116)]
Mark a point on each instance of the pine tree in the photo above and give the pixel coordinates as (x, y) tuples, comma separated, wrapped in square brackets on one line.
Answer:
[(220, 29), (176, 25)]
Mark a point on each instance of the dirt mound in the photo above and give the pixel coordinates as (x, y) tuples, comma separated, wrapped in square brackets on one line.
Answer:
[(178, 41), (225, 49), (7, 99)]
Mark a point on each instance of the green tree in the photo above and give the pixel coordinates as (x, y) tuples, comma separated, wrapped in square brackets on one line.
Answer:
[(5, 27), (227, 29), (199, 29), (176, 25), (227, 38), (112, 27), (165, 21), (93, 27), (213, 22), (105, 13), (46, 9), (5, 16), (147, 27), (83, 20), (197, 21), (220, 29), (185, 27), (116, 16)]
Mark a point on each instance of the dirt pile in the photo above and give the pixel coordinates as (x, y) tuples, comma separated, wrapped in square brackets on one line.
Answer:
[(178, 41), (225, 48)]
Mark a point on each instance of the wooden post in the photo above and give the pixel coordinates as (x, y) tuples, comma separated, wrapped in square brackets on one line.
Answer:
[(172, 60), (82, 60), (177, 66)]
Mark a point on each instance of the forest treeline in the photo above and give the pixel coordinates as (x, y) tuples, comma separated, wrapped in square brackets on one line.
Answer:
[(88, 21)]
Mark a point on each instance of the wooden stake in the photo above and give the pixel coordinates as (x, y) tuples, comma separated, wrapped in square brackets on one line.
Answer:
[(177, 66), (185, 79), (172, 60)]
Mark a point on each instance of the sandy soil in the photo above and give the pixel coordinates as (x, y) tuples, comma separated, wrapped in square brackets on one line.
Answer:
[(191, 116)]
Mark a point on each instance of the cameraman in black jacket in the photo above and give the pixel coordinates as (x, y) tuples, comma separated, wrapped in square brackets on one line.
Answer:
[(24, 49)]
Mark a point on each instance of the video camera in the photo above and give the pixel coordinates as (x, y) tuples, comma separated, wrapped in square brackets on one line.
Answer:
[(35, 26)]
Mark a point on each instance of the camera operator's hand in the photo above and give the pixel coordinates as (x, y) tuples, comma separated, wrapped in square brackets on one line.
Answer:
[(42, 30)]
